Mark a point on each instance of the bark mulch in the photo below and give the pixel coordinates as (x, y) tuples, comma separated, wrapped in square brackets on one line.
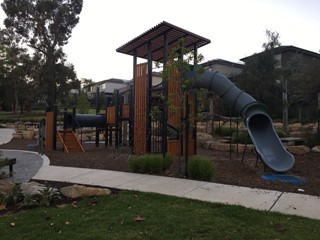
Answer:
[(228, 169)]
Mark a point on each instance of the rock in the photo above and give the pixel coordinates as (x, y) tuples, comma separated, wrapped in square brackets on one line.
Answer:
[(201, 128), (295, 127), (28, 134), (298, 150), (227, 124), (225, 147), (203, 137), (207, 145), (34, 188), (82, 137), (17, 135), (278, 125), (316, 149), (77, 191)]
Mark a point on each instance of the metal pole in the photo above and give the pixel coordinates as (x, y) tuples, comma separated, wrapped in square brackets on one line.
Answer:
[(54, 137), (318, 114), (285, 106), (187, 133), (97, 100)]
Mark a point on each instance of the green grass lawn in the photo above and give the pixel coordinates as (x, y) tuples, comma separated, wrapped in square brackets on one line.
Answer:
[(161, 217)]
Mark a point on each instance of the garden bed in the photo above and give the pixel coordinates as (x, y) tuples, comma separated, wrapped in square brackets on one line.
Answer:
[(229, 168)]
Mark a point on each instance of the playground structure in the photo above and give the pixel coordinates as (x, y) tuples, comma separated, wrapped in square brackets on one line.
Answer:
[(156, 132), (112, 124)]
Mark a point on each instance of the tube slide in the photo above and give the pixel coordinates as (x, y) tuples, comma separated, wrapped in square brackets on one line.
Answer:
[(260, 126), (86, 120)]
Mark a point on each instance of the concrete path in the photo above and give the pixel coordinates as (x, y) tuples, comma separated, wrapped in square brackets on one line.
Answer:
[(6, 135), (287, 203), (28, 164), (275, 201)]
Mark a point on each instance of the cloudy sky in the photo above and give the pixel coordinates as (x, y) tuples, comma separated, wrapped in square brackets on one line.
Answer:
[(236, 29)]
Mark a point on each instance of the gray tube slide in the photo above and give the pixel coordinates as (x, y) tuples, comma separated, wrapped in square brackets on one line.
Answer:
[(260, 126), (86, 120)]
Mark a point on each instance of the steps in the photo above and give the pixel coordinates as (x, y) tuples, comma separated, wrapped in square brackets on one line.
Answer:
[(69, 141)]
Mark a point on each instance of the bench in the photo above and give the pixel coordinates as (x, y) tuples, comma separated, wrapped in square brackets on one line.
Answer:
[(8, 162)]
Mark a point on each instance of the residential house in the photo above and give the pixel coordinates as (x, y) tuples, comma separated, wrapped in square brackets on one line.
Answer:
[(106, 87), (295, 59), (289, 56), (227, 68)]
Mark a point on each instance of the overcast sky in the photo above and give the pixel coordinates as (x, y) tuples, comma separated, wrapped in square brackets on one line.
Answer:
[(236, 29)]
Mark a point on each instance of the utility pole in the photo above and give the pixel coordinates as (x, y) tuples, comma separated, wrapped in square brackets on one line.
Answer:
[(285, 106)]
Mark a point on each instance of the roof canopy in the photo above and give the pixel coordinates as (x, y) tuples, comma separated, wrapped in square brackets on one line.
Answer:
[(156, 37)]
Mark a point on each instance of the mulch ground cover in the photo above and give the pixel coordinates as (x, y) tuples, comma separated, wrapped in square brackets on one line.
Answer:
[(230, 169)]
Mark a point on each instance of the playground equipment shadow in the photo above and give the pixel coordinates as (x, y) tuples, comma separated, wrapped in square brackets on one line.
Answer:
[(266, 200)]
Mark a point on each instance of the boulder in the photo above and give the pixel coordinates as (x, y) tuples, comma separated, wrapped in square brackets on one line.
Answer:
[(316, 149), (201, 128), (34, 188), (278, 125), (77, 191), (28, 134), (18, 135), (295, 127), (203, 137), (207, 145), (225, 147)]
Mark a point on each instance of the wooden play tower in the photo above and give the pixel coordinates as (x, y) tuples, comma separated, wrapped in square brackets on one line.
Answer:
[(155, 45)]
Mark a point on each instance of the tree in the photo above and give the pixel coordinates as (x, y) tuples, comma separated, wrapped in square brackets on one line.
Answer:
[(260, 77), (15, 62), (176, 103), (273, 40), (304, 86), (45, 26)]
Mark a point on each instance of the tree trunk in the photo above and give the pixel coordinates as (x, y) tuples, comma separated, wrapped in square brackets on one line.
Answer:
[(16, 99)]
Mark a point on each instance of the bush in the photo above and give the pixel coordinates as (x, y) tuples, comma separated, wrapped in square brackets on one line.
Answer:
[(281, 134), (224, 131), (242, 138), (150, 163), (200, 168), (313, 140)]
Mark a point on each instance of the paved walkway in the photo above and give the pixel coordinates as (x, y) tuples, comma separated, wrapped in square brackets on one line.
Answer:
[(275, 201)]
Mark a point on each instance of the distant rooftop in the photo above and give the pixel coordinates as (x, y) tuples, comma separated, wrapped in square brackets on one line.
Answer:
[(156, 36), (222, 62), (111, 80), (291, 48)]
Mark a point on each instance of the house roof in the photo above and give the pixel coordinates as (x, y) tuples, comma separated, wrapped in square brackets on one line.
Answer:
[(156, 35), (112, 80), (222, 62), (289, 48)]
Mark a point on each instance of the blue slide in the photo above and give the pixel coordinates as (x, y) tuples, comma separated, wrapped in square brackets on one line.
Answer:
[(259, 124)]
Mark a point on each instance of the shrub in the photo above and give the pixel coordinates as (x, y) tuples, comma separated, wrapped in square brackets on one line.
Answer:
[(313, 140), (242, 138), (150, 163), (200, 168), (281, 134), (224, 131), (243, 135)]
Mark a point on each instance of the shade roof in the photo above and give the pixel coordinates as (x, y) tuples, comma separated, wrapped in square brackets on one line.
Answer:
[(156, 36)]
